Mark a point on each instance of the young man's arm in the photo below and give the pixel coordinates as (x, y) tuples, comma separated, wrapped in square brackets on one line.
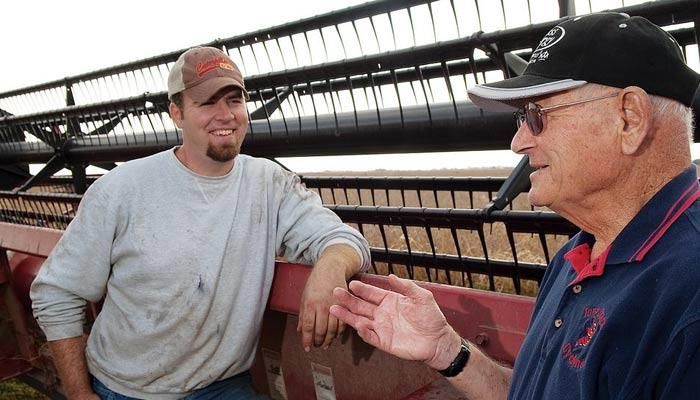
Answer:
[(307, 232), (408, 323), (336, 265), (69, 358), (76, 271)]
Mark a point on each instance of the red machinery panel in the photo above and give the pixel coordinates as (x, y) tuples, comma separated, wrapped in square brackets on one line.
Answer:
[(349, 369)]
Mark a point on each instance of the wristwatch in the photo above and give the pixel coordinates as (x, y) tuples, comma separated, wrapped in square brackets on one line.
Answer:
[(459, 362)]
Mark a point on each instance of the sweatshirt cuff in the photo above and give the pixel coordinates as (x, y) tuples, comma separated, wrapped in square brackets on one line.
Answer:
[(65, 331), (363, 258)]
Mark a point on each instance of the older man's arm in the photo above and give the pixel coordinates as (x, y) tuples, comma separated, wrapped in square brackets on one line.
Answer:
[(335, 266), (408, 323)]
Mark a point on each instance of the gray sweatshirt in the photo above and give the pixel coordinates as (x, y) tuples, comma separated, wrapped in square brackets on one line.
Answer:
[(187, 263)]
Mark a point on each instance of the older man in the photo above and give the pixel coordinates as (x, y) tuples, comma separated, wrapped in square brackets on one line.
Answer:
[(603, 114), (184, 243)]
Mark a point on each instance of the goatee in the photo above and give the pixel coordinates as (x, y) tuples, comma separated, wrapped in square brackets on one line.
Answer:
[(222, 153)]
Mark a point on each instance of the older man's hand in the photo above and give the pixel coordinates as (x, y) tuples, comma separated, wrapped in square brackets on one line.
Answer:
[(405, 322)]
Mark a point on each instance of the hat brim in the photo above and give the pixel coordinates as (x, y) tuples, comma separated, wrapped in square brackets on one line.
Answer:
[(509, 94), (205, 90)]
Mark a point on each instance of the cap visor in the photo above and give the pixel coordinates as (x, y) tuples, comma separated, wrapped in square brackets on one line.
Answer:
[(509, 94), (205, 90)]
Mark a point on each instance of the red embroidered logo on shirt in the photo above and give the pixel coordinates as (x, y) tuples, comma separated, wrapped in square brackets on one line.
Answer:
[(574, 352)]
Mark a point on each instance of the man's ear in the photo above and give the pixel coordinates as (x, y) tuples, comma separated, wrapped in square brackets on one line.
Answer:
[(637, 113), (175, 114)]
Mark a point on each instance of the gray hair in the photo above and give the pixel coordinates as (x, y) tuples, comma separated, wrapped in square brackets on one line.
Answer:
[(668, 108)]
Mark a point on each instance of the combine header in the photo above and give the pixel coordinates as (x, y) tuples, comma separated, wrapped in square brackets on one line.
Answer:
[(389, 76)]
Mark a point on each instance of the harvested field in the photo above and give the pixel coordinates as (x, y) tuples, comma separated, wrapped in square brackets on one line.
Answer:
[(527, 247)]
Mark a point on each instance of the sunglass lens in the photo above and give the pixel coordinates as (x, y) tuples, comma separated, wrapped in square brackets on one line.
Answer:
[(533, 118)]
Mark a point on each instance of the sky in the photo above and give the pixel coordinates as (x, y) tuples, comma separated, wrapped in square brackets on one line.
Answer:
[(56, 39)]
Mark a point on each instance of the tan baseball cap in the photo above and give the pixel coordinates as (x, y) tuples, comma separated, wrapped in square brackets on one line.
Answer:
[(203, 71)]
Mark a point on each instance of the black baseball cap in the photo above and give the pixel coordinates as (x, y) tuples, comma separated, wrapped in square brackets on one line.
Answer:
[(611, 49)]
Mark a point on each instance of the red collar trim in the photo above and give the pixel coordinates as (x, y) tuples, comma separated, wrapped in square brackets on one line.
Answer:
[(580, 259), (690, 195)]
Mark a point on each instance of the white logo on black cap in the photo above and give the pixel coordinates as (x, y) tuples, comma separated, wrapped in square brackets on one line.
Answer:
[(550, 39)]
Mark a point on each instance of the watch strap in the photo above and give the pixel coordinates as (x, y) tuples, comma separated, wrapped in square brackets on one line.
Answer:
[(457, 365)]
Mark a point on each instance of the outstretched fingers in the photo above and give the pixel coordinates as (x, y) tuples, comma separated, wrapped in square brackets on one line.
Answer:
[(354, 304), (343, 314), (361, 324), (369, 293), (407, 287)]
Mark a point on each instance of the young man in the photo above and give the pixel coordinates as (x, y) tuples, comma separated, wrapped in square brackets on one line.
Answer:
[(604, 116), (183, 243)]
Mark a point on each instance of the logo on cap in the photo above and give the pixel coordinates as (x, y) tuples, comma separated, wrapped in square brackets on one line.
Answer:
[(552, 37), (219, 62)]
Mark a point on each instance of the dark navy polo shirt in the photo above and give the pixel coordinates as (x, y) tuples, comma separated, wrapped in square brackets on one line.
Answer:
[(627, 324)]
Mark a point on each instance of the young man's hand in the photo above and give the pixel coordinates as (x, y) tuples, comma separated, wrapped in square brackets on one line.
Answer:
[(335, 266)]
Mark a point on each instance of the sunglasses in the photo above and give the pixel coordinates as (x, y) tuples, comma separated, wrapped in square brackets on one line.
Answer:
[(532, 113)]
